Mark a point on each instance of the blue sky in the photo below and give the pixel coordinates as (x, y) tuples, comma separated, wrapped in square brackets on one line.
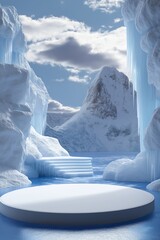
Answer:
[(69, 41)]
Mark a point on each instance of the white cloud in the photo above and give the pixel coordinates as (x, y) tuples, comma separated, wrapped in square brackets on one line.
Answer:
[(117, 20), (72, 70), (55, 106), (104, 5), (50, 27), (73, 45), (59, 80), (76, 78)]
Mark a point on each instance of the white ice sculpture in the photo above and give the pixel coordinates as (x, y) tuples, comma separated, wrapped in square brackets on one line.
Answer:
[(143, 36)]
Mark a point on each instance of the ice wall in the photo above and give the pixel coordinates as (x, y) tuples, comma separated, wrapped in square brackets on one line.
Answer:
[(13, 47), (142, 20), (139, 52), (15, 122), (23, 106), (15, 117)]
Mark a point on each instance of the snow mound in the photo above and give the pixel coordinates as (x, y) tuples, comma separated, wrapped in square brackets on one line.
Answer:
[(12, 177), (154, 186), (39, 146), (125, 169), (107, 121)]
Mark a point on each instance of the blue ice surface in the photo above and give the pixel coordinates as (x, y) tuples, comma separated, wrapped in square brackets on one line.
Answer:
[(146, 93), (143, 229)]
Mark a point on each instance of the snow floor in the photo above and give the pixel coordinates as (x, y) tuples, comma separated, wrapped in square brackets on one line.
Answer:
[(144, 229)]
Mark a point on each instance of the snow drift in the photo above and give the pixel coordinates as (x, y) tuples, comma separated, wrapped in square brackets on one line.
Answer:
[(107, 121)]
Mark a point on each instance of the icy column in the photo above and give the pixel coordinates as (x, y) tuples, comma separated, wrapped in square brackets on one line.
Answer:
[(18, 49), (12, 41), (137, 61), (6, 34), (146, 93)]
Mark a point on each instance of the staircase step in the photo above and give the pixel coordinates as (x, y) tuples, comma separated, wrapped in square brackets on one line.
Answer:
[(69, 164), (65, 161), (73, 170), (66, 158), (75, 167), (66, 166), (78, 174)]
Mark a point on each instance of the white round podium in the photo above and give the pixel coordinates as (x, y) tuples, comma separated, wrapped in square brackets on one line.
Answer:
[(77, 205)]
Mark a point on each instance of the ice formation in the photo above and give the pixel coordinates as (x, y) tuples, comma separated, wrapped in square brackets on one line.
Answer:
[(23, 103), (143, 35), (13, 47), (107, 121)]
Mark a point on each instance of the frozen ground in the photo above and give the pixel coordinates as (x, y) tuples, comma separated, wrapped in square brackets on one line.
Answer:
[(146, 229)]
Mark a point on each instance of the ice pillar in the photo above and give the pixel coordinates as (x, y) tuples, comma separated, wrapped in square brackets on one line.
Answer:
[(138, 25), (146, 93)]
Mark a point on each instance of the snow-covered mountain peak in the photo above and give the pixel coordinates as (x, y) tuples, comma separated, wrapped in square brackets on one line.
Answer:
[(107, 121), (109, 94), (106, 71), (112, 74)]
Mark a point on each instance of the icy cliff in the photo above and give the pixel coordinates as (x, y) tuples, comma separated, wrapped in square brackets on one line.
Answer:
[(15, 121), (23, 103), (13, 47), (143, 35), (107, 121)]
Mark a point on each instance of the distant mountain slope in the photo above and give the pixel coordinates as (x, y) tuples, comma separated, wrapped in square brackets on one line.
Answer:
[(58, 114), (107, 121)]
